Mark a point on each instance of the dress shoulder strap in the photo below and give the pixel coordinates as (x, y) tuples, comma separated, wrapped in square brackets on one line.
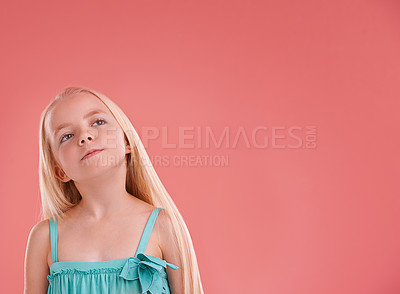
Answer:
[(147, 230), (53, 237)]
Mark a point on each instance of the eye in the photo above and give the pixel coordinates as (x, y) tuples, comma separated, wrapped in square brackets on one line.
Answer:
[(102, 120), (98, 120), (64, 137)]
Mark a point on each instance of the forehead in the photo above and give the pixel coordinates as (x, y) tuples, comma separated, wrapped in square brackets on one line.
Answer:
[(72, 109)]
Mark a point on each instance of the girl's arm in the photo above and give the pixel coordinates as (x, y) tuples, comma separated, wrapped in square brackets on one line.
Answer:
[(170, 253), (36, 268)]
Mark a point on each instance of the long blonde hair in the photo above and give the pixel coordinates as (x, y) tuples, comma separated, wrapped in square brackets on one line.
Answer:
[(141, 180)]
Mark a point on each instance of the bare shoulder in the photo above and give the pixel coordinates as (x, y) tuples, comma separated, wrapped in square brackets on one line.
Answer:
[(36, 267), (171, 251), (166, 234), (39, 240), (39, 236), (140, 206), (164, 221)]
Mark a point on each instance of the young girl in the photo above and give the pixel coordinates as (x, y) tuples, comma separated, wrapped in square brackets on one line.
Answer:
[(109, 224)]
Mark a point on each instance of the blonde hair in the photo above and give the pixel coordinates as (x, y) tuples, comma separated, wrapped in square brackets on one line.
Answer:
[(141, 180)]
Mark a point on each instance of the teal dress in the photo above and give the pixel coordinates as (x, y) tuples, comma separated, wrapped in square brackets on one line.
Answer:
[(141, 273)]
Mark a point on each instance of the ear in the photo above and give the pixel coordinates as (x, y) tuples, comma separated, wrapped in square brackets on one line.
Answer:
[(60, 174), (128, 149)]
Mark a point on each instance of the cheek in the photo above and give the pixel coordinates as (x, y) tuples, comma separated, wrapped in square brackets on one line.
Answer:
[(67, 154), (112, 139)]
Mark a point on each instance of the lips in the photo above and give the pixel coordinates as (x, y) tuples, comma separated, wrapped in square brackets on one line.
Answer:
[(91, 153)]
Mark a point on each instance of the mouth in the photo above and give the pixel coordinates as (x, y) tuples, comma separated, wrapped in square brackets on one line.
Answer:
[(91, 153)]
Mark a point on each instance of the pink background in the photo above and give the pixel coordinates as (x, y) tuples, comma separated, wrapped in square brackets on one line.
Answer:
[(281, 219)]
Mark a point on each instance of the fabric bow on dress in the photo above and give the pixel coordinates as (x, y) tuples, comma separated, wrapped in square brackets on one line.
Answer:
[(148, 269)]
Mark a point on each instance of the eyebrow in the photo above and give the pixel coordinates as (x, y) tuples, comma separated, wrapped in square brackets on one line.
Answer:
[(89, 114)]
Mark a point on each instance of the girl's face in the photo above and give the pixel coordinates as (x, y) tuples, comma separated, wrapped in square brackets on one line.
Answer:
[(81, 123)]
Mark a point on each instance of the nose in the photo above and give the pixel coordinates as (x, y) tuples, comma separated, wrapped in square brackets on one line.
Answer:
[(86, 137)]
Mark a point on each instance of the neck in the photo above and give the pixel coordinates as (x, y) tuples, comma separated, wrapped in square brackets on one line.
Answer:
[(105, 195)]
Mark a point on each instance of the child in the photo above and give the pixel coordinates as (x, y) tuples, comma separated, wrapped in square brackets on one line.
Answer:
[(101, 200)]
